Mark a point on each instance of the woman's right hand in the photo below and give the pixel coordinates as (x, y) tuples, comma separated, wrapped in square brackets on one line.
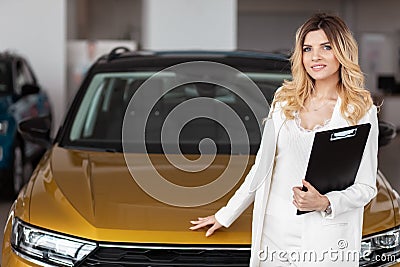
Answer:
[(202, 222)]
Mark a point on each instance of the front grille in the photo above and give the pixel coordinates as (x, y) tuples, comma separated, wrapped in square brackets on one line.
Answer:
[(167, 256)]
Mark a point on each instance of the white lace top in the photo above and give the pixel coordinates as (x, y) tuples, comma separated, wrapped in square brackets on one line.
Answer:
[(316, 127), (293, 151)]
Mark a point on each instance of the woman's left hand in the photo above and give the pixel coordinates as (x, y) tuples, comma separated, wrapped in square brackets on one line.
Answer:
[(310, 200)]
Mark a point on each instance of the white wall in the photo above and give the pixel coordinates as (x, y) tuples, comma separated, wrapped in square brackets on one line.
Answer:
[(36, 29), (194, 24)]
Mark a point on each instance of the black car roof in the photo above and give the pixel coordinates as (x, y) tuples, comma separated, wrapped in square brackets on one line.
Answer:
[(199, 53), (9, 56), (125, 53), (122, 59)]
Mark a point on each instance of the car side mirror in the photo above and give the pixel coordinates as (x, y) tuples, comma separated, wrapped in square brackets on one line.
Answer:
[(29, 89), (36, 130), (387, 132)]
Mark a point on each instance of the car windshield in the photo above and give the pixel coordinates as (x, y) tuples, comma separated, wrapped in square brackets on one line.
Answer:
[(4, 77), (98, 121)]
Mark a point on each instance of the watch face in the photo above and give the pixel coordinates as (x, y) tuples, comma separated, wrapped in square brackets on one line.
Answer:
[(328, 210)]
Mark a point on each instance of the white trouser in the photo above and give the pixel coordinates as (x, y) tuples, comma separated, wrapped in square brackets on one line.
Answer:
[(281, 241)]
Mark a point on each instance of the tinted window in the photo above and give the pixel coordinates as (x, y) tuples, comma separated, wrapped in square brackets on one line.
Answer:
[(4, 77), (99, 118)]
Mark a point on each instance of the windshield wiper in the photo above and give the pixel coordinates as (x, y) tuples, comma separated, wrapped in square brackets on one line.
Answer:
[(92, 148)]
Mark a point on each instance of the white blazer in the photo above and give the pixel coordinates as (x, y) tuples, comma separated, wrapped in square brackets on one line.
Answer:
[(342, 229)]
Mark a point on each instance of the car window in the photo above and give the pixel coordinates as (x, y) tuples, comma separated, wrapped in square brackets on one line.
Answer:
[(99, 119), (4, 77)]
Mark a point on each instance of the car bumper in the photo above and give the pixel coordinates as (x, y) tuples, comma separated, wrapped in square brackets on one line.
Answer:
[(14, 260), (11, 259)]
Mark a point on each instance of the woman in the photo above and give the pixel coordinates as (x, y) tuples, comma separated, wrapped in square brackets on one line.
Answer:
[(327, 92)]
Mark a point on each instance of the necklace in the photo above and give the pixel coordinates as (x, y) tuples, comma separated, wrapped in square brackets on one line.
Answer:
[(321, 106)]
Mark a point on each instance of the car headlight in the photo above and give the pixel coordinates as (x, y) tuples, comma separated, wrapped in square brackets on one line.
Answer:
[(3, 127), (381, 249), (43, 246)]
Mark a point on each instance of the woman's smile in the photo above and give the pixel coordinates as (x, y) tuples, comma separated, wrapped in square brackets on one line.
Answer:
[(318, 67)]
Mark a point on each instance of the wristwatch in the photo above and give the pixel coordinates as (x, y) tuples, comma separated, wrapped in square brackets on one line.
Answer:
[(328, 210)]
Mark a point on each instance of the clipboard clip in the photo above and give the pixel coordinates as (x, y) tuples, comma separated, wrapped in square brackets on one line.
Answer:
[(343, 134)]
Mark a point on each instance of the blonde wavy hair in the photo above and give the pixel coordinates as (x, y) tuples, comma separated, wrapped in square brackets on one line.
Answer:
[(356, 100)]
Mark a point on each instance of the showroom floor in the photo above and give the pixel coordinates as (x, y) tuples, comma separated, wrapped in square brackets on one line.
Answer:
[(388, 162)]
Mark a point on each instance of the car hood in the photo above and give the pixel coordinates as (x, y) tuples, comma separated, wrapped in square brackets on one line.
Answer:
[(93, 195), (383, 211)]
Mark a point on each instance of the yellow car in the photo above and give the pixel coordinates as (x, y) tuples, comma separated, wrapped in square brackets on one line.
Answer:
[(151, 141)]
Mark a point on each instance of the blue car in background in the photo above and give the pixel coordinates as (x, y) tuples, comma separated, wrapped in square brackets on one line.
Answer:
[(20, 98)]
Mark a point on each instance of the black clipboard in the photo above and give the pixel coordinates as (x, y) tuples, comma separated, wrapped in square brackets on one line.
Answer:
[(335, 158)]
